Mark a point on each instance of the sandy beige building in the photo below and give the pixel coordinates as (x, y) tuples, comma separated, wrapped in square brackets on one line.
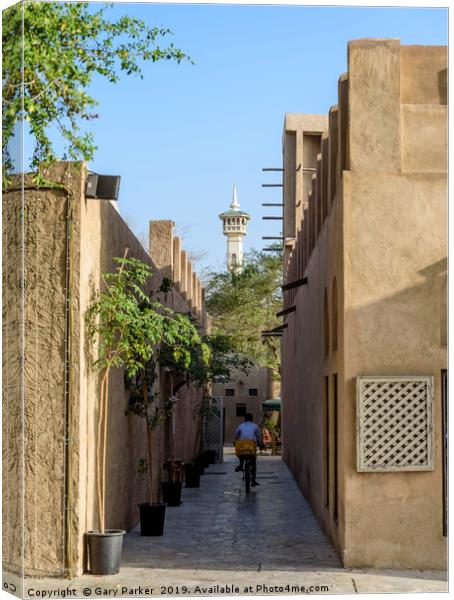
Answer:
[(49, 388), (245, 393), (364, 351)]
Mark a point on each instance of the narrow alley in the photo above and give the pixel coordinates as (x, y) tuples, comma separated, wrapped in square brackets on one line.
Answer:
[(221, 541), (218, 527)]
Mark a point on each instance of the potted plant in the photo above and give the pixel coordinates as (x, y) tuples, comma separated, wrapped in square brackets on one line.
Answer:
[(171, 488), (177, 333), (183, 365), (192, 473), (125, 326), (222, 361), (144, 402)]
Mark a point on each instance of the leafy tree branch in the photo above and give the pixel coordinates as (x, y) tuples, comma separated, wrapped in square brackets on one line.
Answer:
[(243, 303), (64, 46), (126, 325)]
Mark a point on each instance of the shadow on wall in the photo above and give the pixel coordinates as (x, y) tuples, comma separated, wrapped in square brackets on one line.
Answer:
[(443, 86), (127, 433), (88, 350), (407, 328)]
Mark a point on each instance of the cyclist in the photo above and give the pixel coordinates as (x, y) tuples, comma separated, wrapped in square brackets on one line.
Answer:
[(248, 431)]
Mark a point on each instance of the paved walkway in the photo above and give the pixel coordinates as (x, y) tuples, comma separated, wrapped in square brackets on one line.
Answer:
[(220, 528), (265, 542)]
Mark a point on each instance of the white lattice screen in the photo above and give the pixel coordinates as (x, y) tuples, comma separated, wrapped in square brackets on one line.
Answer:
[(394, 423), (213, 429)]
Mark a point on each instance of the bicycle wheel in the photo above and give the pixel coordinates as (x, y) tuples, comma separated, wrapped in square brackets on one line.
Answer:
[(247, 475)]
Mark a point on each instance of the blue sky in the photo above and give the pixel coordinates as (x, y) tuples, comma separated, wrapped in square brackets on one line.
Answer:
[(181, 137)]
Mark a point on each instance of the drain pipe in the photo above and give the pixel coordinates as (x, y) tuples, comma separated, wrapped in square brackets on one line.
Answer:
[(68, 435)]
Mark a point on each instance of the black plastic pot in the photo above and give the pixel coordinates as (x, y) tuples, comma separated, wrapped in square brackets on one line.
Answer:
[(192, 476), (211, 456), (171, 492), (197, 463), (152, 517), (104, 551), (204, 460)]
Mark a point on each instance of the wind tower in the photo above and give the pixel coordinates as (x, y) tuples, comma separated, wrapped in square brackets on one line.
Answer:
[(235, 228)]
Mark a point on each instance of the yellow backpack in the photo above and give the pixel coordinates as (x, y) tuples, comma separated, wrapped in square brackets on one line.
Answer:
[(244, 447)]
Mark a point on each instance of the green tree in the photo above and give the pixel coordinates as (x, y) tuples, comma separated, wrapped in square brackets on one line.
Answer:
[(126, 325), (243, 303), (211, 360), (64, 46)]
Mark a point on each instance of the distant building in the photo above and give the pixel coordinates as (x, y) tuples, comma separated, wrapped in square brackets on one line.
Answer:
[(364, 355), (244, 394), (235, 228)]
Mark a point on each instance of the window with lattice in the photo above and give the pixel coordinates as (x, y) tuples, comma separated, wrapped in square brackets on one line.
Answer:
[(395, 423)]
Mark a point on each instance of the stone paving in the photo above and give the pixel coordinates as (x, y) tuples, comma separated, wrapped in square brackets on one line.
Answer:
[(221, 528), (221, 541)]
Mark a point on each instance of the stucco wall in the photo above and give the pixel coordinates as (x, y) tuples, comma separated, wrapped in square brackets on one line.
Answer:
[(395, 271), (185, 424), (385, 241), (306, 366), (34, 420), (392, 326), (13, 526), (104, 235), (86, 234), (258, 378)]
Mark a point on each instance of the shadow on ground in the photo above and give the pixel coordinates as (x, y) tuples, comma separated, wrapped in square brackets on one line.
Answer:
[(219, 527)]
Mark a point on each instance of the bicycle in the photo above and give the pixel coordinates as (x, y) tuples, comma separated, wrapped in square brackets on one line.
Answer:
[(246, 449), (248, 472)]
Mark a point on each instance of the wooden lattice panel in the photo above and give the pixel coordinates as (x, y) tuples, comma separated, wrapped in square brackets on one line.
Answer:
[(395, 423), (213, 428)]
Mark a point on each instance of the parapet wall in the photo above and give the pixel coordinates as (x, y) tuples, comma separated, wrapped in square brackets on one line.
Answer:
[(369, 251), (172, 261), (50, 400), (391, 116)]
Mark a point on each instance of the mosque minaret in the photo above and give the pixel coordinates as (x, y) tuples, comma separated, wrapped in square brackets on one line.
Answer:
[(235, 228)]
